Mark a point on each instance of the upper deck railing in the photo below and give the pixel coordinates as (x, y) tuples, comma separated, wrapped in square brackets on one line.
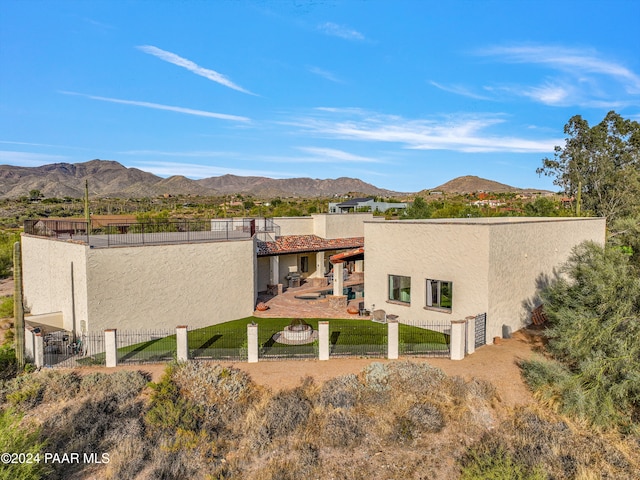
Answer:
[(154, 232)]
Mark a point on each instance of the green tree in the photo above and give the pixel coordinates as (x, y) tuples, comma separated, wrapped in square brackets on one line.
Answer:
[(418, 209), (600, 164), (594, 315), (541, 207)]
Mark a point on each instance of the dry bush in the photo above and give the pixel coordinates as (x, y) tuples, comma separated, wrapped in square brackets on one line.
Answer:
[(301, 461), (224, 394), (123, 384), (29, 390), (127, 459), (283, 413), (342, 428), (340, 392)]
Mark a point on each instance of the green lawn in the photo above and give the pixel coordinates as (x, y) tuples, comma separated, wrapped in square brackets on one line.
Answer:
[(229, 341)]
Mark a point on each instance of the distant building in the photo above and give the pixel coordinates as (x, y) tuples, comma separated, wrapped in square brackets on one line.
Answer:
[(363, 205)]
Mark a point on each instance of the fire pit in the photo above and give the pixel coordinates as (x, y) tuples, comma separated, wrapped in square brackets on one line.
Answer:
[(298, 331)]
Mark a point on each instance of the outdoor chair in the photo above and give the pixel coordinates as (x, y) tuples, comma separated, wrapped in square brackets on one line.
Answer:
[(363, 312), (379, 316)]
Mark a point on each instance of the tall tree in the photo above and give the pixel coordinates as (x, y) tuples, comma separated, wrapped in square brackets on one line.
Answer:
[(600, 165)]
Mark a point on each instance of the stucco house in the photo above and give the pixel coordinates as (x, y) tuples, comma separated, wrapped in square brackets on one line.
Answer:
[(363, 205), (126, 278)]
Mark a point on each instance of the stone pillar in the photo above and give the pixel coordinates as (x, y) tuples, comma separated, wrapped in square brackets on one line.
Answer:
[(471, 335), (319, 265), (29, 344), (323, 340), (274, 270), (182, 343), (338, 279), (252, 340), (38, 350), (457, 339), (110, 348), (392, 340)]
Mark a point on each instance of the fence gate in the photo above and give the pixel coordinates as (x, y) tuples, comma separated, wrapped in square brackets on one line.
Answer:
[(481, 329)]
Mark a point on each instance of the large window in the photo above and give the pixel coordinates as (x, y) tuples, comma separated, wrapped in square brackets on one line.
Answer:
[(400, 289), (439, 294)]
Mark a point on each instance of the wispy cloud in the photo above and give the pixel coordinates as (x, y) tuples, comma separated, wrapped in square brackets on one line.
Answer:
[(197, 154), (566, 59), (192, 67), (157, 106), (341, 31), (463, 132), (460, 90), (582, 77), (334, 155), (29, 159), (324, 74), (195, 170)]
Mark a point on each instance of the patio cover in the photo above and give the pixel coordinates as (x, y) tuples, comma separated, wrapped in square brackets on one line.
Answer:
[(357, 254)]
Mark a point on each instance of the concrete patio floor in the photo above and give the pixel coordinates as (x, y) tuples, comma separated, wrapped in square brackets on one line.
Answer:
[(287, 306)]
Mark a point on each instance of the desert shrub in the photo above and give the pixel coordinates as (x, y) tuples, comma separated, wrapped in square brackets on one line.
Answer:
[(8, 362), (17, 437), (285, 411), (427, 417), (417, 378), (481, 389), (168, 410), (376, 377), (224, 394), (342, 428), (6, 306), (28, 390), (127, 458), (339, 392), (301, 461), (123, 384), (496, 464)]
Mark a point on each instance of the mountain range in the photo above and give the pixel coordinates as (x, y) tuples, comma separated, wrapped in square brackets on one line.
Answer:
[(111, 179)]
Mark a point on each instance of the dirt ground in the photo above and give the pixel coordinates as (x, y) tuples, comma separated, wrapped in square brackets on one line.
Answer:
[(6, 287), (496, 363)]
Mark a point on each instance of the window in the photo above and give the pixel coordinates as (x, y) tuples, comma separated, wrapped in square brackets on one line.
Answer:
[(304, 264), (439, 294), (400, 289)]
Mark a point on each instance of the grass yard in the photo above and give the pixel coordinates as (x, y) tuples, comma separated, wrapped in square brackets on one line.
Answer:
[(228, 341)]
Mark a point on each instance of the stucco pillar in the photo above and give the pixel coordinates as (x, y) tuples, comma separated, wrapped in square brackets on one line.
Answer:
[(29, 345), (110, 348), (392, 340), (319, 265), (323, 340), (252, 343), (338, 279), (274, 270), (38, 350), (182, 343), (457, 339), (471, 334), (359, 266)]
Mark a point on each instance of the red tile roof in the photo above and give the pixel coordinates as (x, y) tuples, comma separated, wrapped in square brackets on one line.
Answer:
[(306, 243)]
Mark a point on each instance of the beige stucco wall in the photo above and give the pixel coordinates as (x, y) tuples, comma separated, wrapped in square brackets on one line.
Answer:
[(523, 254), (425, 250), (163, 286), (494, 263), (48, 282), (263, 267), (342, 225), (294, 225)]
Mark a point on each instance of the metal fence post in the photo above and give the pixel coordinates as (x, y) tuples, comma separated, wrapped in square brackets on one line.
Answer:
[(252, 340), (392, 340), (110, 348), (323, 340), (182, 343)]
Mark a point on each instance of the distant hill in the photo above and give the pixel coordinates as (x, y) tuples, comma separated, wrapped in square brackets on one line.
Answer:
[(110, 178), (471, 183)]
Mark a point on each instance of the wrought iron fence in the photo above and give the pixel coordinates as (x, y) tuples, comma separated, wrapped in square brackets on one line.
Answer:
[(425, 339), (218, 342), (66, 229), (273, 343), (367, 339), (146, 346), (481, 330)]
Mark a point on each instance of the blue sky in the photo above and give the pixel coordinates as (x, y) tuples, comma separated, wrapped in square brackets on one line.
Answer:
[(402, 94)]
